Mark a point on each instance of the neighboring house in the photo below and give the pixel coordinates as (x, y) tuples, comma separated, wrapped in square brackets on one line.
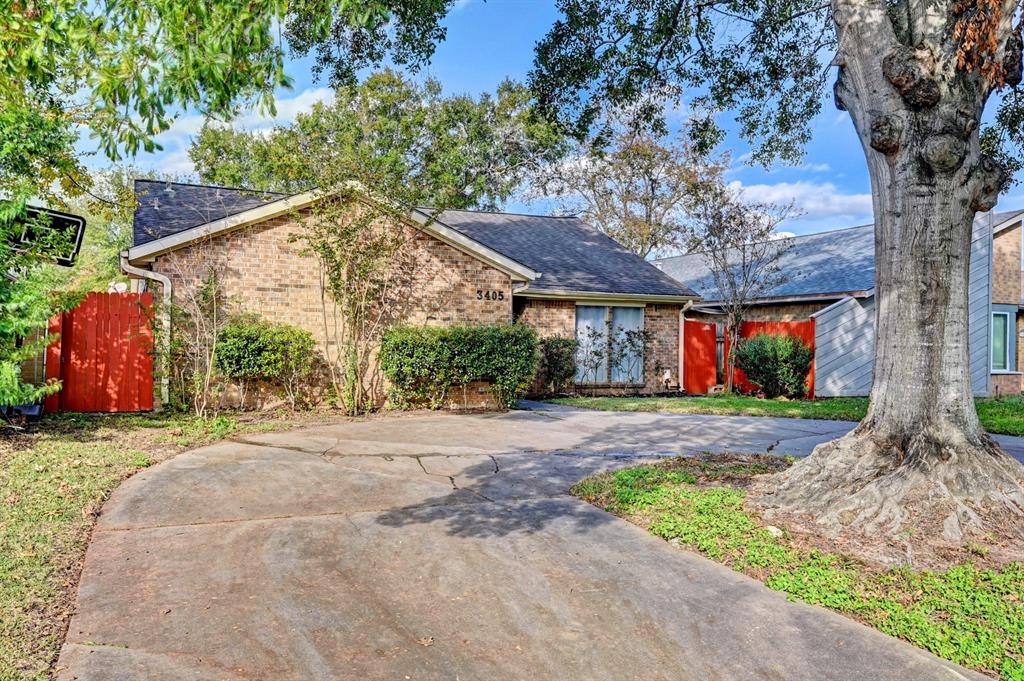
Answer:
[(830, 277), (558, 275)]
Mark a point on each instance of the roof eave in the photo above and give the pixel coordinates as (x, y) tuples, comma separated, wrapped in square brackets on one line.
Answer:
[(602, 296), (1010, 222), (808, 298)]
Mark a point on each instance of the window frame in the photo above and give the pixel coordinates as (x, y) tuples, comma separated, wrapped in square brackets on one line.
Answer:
[(608, 321), (1009, 349)]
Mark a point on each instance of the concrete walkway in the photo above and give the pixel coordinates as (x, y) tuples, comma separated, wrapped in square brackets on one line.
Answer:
[(441, 547), (797, 437)]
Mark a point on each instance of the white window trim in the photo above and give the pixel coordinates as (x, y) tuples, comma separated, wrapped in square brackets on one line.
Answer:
[(1006, 345)]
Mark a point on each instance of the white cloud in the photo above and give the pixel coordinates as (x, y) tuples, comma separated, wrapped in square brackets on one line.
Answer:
[(177, 162), (816, 167), (818, 201), (178, 137)]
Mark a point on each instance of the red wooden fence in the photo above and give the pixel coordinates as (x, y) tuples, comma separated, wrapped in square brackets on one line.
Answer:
[(804, 330), (700, 363), (104, 355)]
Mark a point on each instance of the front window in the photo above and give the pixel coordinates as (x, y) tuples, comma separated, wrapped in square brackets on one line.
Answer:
[(611, 344), (592, 344), (1002, 341)]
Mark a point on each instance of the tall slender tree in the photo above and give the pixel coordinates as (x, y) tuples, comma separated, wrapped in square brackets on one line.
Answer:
[(741, 249)]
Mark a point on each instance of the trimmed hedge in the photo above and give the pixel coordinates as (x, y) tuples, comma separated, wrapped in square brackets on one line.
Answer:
[(251, 348), (424, 363)]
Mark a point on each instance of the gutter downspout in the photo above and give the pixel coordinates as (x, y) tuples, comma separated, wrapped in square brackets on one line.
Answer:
[(165, 322), (682, 339)]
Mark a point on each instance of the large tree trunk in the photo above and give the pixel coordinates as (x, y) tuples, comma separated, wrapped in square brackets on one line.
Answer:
[(920, 456)]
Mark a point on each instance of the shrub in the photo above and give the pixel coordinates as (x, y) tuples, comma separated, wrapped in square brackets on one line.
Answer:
[(424, 363), (558, 363), (778, 365), (253, 349)]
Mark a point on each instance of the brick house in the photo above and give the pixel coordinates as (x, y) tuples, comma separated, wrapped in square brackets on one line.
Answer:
[(556, 274), (830, 277)]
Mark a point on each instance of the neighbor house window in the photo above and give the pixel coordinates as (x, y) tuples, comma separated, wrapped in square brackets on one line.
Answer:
[(602, 334), (1003, 341)]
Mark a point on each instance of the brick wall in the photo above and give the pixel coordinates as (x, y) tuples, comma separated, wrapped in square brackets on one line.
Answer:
[(549, 317), (663, 322), (558, 318), (1006, 275), (263, 272), (1006, 290)]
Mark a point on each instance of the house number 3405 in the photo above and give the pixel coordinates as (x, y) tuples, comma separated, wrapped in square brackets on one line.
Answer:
[(489, 295)]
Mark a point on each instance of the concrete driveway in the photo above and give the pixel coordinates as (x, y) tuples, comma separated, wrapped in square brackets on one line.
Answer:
[(441, 547)]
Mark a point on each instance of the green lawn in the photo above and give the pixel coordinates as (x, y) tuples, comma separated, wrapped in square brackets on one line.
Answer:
[(53, 480), (971, 616), (1003, 415)]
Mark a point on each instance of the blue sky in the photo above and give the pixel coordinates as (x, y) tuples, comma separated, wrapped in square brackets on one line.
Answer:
[(488, 42)]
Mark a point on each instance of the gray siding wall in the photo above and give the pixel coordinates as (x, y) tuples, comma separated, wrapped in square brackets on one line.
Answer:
[(844, 333), (980, 305), (844, 342)]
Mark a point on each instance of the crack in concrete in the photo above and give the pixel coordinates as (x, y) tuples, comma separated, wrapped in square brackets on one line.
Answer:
[(451, 478)]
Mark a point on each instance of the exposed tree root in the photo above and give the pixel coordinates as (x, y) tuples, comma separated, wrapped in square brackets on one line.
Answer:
[(934, 491)]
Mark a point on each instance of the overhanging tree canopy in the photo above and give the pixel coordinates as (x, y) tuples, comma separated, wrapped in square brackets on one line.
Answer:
[(459, 151), (915, 78)]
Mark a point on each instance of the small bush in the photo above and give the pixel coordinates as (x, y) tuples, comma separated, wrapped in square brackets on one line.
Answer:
[(778, 365), (558, 363), (424, 363), (251, 348)]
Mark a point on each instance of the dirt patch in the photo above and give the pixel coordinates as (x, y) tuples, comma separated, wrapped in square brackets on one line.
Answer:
[(921, 546)]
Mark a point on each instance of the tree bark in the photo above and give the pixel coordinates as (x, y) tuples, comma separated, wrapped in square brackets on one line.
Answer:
[(920, 456)]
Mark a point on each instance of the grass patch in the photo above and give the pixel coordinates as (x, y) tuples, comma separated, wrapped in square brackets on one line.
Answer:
[(54, 478), (1003, 415), (970, 616)]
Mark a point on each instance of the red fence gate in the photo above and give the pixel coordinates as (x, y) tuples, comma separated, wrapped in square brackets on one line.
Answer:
[(700, 363), (104, 355)]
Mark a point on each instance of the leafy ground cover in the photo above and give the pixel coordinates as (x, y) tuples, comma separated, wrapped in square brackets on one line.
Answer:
[(54, 477), (973, 616), (1004, 415)]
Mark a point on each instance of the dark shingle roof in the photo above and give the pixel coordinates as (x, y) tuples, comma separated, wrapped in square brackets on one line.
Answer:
[(570, 254), (166, 208), (836, 262)]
